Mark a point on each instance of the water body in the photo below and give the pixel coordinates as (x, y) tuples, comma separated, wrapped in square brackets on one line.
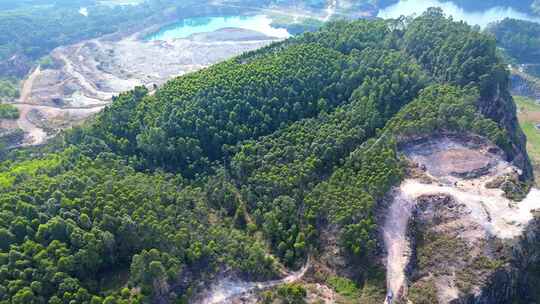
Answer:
[(190, 26), (483, 18)]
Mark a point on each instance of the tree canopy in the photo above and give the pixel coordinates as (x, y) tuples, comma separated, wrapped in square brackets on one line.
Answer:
[(242, 167)]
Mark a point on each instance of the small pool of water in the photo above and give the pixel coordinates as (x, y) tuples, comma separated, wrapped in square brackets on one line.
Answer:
[(190, 26)]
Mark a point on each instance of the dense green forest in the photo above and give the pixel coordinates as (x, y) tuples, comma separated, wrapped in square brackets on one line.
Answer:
[(240, 167), (520, 39), (8, 111)]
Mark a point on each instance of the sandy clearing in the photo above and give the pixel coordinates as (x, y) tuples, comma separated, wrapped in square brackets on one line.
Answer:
[(531, 116), (499, 216)]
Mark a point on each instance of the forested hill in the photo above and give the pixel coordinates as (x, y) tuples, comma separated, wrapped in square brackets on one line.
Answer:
[(518, 38), (242, 167)]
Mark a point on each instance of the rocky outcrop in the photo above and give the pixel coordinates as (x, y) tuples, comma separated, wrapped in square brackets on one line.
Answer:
[(501, 108), (524, 87), (454, 255), (526, 256)]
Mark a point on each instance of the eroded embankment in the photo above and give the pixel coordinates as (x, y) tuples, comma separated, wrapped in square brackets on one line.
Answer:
[(464, 170)]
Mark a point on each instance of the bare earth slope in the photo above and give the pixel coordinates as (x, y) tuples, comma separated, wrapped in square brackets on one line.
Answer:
[(455, 217)]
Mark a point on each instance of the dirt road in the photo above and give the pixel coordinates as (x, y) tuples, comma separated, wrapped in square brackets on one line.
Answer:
[(226, 290), (26, 90), (397, 244)]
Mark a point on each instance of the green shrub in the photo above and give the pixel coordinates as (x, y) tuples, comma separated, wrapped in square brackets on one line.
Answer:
[(344, 286), (293, 293), (8, 111)]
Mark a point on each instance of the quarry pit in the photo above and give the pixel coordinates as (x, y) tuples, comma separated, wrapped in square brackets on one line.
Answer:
[(455, 192)]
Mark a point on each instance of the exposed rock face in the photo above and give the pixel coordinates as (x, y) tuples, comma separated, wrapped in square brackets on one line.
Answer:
[(456, 256), (502, 109), (524, 87), (526, 256)]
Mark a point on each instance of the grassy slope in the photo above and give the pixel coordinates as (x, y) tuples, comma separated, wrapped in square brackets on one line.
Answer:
[(529, 117)]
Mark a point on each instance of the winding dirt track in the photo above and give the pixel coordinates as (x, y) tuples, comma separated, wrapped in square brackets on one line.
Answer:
[(34, 135), (226, 290), (26, 90)]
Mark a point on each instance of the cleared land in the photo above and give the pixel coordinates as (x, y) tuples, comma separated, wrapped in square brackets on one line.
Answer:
[(529, 119), (457, 173)]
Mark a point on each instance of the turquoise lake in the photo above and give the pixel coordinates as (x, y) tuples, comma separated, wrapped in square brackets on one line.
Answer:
[(190, 26)]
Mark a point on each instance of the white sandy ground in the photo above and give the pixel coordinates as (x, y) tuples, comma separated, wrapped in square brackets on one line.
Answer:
[(497, 215), (54, 116), (395, 239), (225, 290)]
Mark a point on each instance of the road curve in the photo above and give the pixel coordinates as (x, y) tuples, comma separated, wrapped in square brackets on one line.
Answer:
[(224, 291)]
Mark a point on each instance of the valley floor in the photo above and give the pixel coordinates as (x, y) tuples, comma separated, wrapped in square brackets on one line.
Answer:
[(86, 75)]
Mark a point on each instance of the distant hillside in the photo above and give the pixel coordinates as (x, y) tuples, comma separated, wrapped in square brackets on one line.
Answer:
[(520, 39)]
